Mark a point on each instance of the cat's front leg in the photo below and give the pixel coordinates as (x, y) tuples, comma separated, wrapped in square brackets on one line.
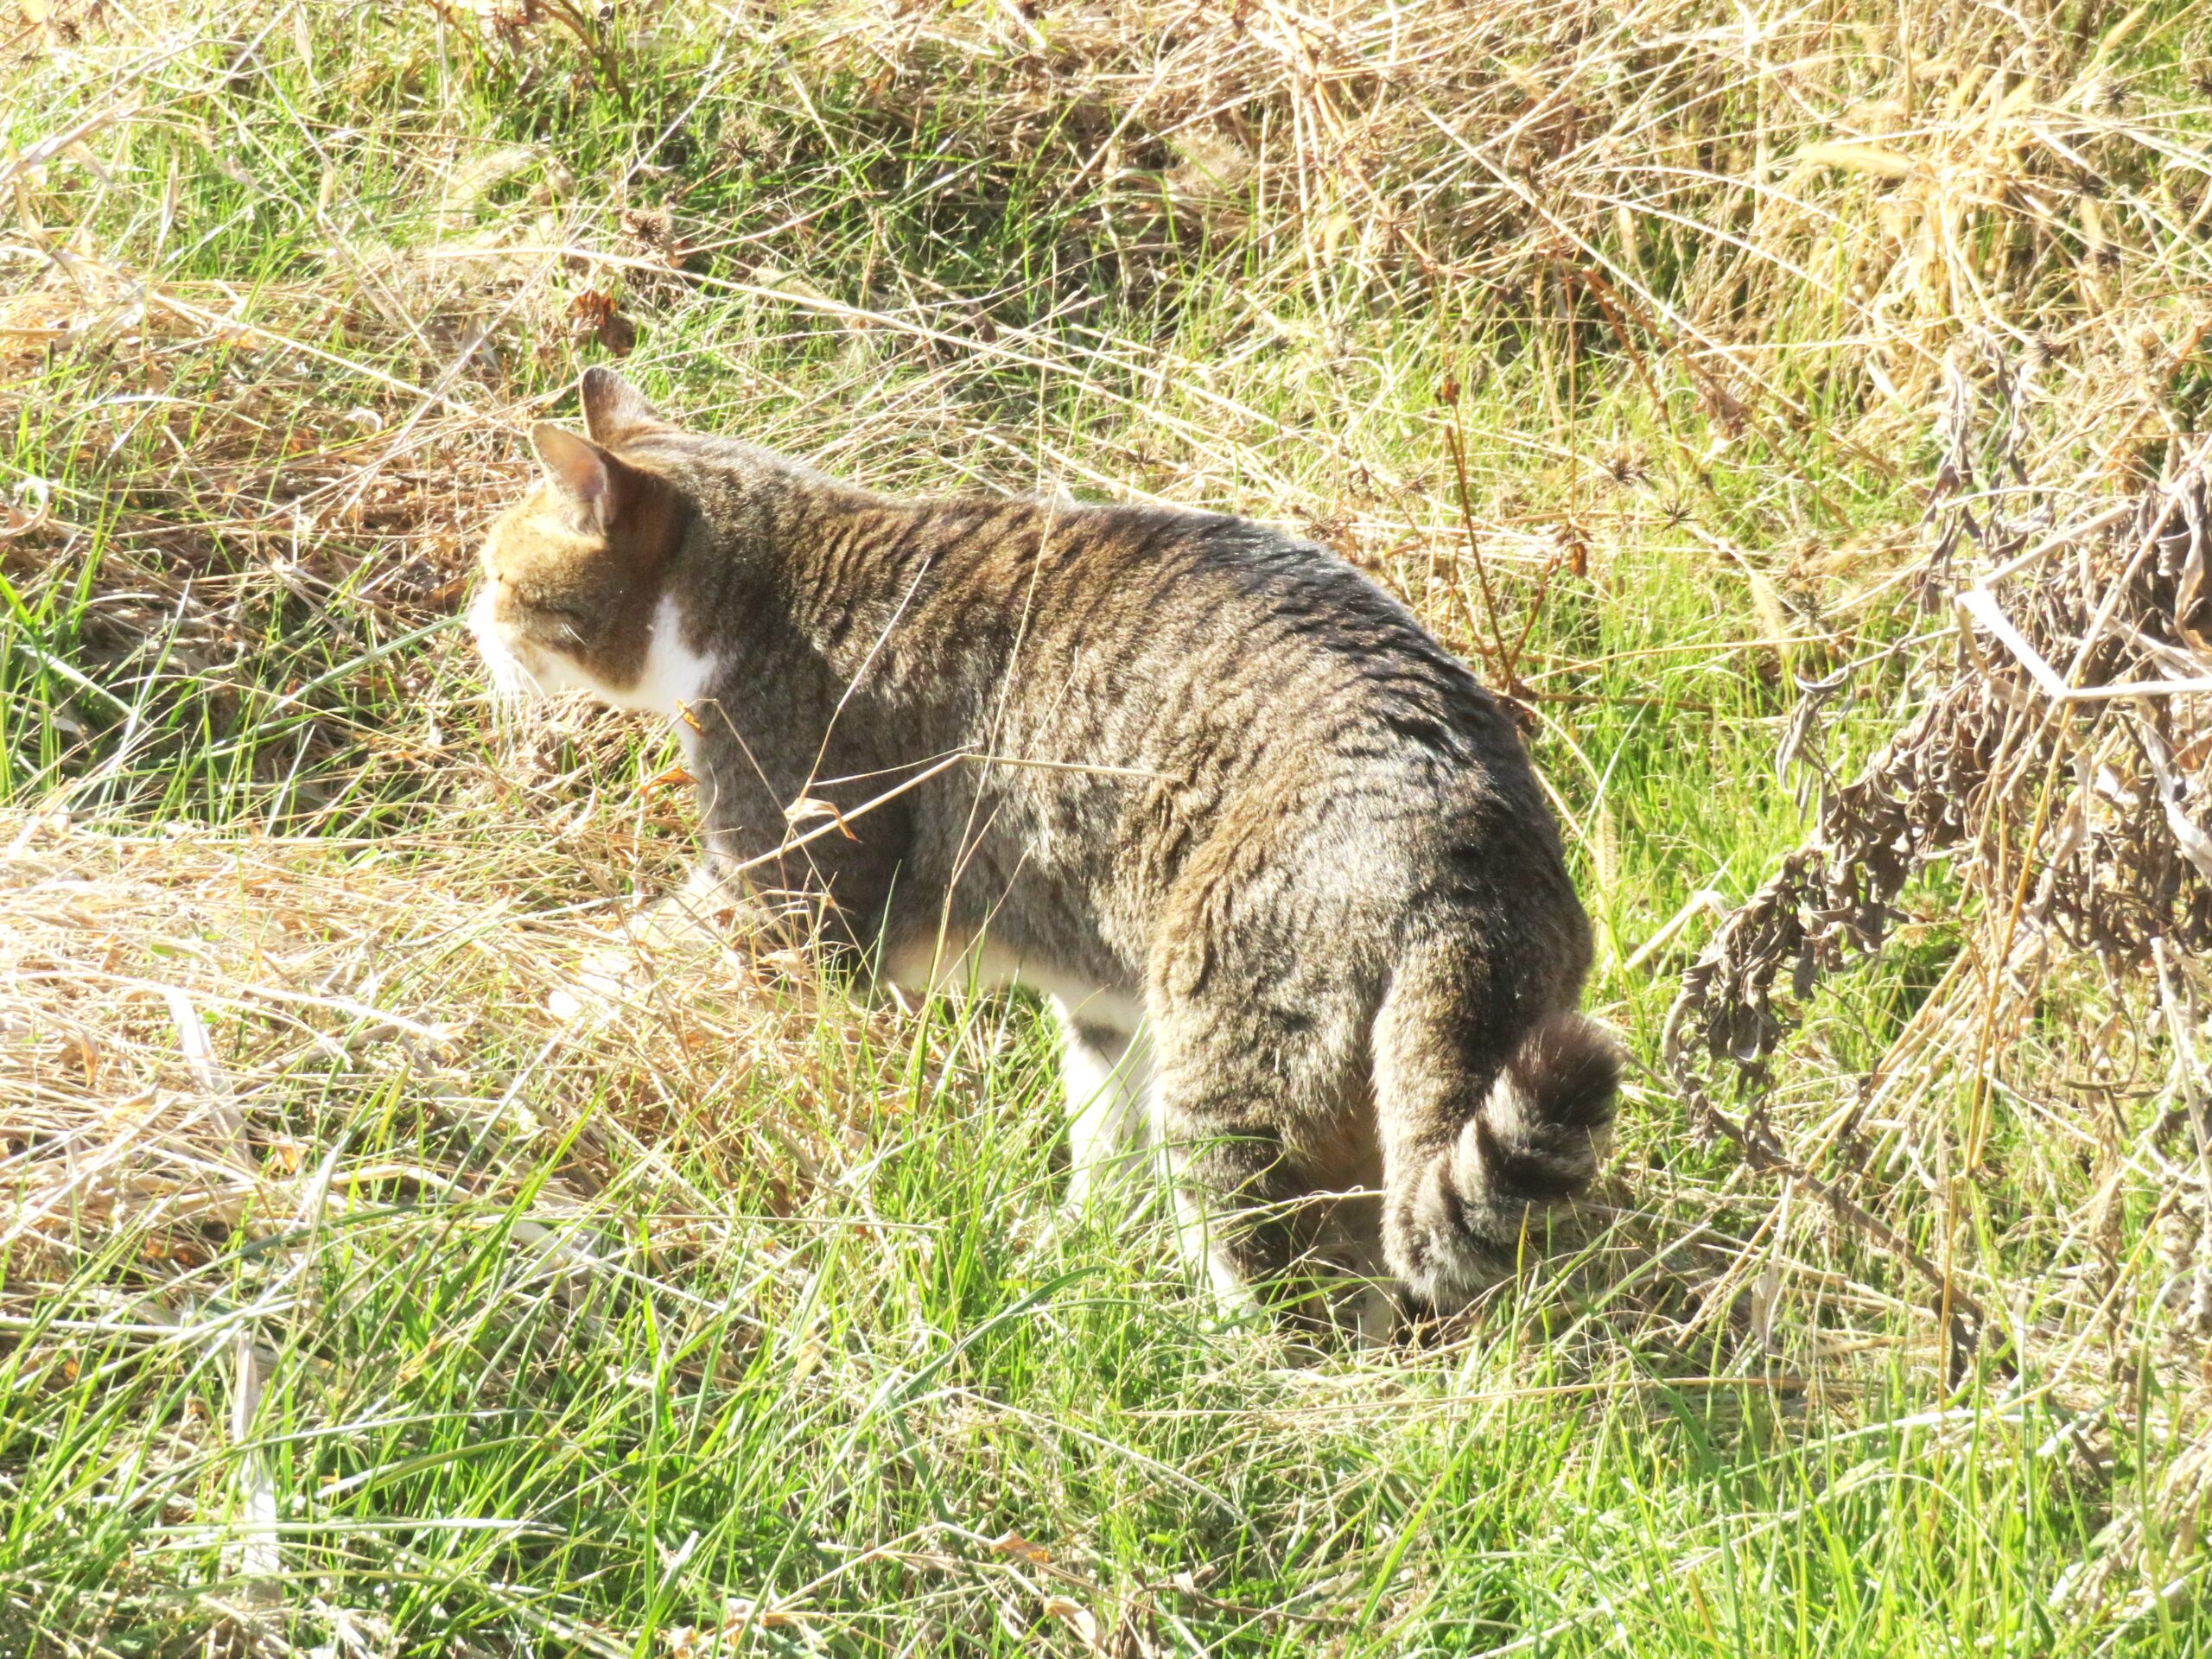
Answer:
[(1107, 1073)]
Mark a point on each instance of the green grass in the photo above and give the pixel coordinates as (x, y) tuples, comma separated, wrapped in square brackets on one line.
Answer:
[(585, 1331)]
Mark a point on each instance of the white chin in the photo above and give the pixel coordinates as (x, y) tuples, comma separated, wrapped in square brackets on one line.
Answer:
[(511, 681)]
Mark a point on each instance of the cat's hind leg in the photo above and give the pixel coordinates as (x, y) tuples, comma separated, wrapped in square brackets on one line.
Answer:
[(1251, 1116), (1240, 1201)]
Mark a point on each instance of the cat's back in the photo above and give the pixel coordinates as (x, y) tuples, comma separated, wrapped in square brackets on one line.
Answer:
[(1230, 624), (1205, 617), (1191, 680)]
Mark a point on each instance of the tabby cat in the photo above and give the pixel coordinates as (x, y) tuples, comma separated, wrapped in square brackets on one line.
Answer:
[(1278, 861)]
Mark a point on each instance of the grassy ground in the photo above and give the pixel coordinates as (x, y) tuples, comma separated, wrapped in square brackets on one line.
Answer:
[(373, 1284)]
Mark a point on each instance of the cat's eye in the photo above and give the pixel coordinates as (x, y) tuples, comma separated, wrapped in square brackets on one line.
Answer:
[(565, 610), (579, 621)]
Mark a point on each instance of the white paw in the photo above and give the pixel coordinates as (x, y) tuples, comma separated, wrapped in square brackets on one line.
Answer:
[(606, 979)]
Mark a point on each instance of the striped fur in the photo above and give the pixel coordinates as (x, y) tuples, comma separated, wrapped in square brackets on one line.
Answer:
[(1174, 770)]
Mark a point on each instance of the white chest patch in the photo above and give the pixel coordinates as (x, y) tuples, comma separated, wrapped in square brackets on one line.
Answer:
[(675, 676)]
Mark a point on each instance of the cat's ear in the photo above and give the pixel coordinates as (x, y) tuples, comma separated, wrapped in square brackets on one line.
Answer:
[(614, 406), (580, 468)]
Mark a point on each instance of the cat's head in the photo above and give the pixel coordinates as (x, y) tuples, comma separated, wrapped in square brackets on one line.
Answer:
[(575, 572)]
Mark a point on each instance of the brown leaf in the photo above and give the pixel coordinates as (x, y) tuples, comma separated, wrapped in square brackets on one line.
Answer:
[(673, 777), (1013, 1543), (597, 317)]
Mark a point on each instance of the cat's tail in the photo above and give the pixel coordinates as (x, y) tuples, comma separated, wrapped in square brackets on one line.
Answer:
[(1469, 1150)]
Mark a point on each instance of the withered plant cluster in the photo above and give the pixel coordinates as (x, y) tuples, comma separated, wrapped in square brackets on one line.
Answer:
[(2057, 768)]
